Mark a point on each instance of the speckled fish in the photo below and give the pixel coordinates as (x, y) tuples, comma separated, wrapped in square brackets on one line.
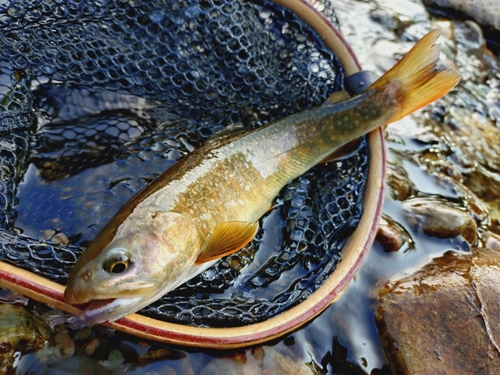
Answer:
[(208, 205)]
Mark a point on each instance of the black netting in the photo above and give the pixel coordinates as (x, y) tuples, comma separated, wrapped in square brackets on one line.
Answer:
[(99, 97)]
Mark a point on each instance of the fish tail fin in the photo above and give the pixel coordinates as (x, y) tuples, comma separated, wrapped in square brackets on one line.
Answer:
[(415, 80)]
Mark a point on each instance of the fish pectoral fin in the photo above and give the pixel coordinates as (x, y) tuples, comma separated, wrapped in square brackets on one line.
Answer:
[(227, 238), (337, 97)]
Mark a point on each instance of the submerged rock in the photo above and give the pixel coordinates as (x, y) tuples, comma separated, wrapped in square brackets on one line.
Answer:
[(392, 236), (262, 360), (485, 12), (443, 319), (20, 333), (440, 220), (492, 241), (401, 188)]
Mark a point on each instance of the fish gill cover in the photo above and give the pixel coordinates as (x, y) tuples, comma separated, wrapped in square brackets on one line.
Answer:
[(99, 97)]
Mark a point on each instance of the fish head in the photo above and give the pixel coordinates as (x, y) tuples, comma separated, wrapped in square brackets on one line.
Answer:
[(146, 259)]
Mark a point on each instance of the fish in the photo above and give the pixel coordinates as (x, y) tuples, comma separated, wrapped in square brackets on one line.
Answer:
[(209, 203)]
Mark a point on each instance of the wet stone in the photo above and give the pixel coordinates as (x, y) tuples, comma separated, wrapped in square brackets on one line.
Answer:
[(60, 238), (439, 220), (486, 12), (20, 332), (443, 319), (392, 236), (401, 187), (62, 344), (90, 347), (492, 241), (262, 361)]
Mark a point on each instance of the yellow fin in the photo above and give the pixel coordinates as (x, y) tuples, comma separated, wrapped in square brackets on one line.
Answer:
[(415, 78), (227, 238), (337, 97)]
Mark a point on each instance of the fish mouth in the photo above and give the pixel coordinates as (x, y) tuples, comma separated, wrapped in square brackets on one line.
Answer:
[(105, 310), (99, 304)]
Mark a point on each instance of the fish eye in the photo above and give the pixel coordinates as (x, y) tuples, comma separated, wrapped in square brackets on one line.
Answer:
[(117, 261)]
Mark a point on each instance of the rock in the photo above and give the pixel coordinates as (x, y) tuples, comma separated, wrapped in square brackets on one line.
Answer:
[(492, 241), (20, 332), (485, 12), (392, 236), (235, 363), (285, 363), (76, 365), (154, 354), (115, 361), (90, 347), (470, 36), (437, 219), (388, 19), (401, 187), (443, 319), (262, 361), (61, 238), (63, 342)]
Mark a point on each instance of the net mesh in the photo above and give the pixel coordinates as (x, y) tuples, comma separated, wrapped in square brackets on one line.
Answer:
[(99, 97)]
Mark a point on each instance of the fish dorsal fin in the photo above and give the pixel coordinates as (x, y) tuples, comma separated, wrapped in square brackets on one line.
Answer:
[(337, 97), (227, 238)]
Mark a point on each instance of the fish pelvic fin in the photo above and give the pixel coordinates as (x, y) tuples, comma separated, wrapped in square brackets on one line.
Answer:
[(227, 238), (415, 80), (337, 97)]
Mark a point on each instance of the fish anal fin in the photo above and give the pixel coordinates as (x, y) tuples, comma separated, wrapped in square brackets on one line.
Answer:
[(227, 238), (337, 97), (341, 151)]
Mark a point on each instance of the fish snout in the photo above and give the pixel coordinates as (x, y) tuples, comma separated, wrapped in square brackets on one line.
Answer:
[(71, 297), (78, 289)]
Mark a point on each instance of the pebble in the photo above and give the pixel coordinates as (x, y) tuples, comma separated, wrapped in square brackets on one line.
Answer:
[(391, 235), (262, 361), (437, 219), (492, 241), (61, 238), (401, 187), (90, 347)]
